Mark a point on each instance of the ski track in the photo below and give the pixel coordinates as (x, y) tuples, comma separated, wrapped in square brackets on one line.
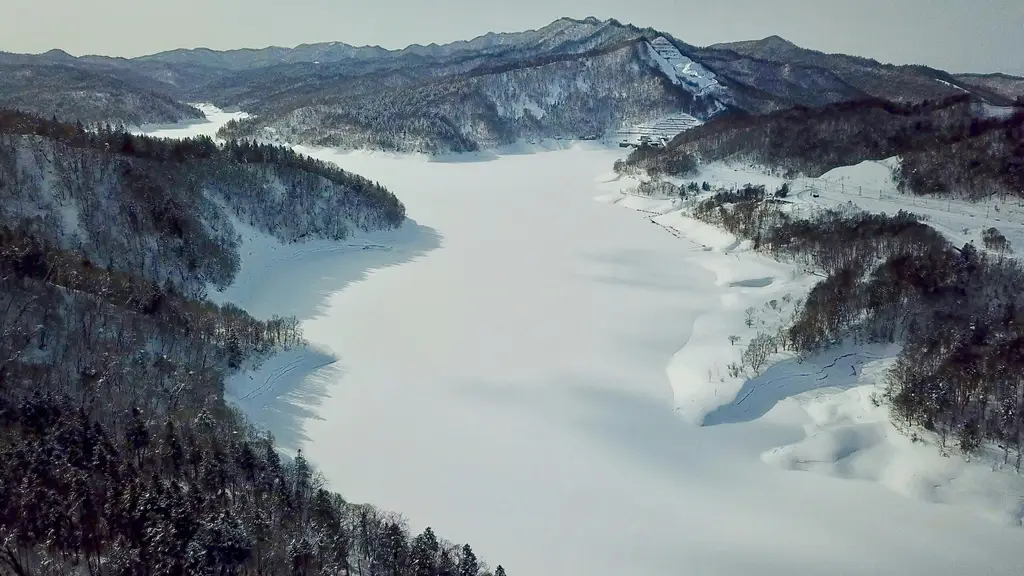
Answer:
[(277, 374)]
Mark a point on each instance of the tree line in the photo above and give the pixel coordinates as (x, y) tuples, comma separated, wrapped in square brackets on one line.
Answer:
[(118, 452)]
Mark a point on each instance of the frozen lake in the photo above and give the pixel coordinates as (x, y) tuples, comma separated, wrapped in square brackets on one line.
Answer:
[(501, 377)]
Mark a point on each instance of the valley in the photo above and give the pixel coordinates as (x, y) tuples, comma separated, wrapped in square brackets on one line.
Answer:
[(499, 371), (584, 298)]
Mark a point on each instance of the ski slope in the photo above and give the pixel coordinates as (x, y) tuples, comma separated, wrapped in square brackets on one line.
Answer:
[(681, 70), (507, 369)]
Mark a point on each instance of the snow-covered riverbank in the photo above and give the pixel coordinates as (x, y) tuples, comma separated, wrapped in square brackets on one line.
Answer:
[(507, 369), (835, 396)]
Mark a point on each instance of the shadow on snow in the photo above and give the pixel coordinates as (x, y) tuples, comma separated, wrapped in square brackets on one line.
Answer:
[(837, 368), (284, 391)]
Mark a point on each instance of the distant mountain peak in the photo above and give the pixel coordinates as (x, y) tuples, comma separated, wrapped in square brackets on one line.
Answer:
[(591, 20), (769, 45), (776, 39), (57, 54)]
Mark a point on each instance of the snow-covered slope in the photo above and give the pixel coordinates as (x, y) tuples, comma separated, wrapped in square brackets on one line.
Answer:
[(869, 186), (680, 69), (850, 436)]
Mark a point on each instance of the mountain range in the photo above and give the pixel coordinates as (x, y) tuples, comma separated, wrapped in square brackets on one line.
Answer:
[(571, 79)]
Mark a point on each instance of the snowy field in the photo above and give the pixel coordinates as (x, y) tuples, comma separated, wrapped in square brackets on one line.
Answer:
[(525, 368)]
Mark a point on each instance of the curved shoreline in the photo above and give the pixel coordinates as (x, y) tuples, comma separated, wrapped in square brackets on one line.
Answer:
[(822, 394)]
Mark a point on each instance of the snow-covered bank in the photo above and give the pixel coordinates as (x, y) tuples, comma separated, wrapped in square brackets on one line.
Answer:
[(275, 278), (834, 396), (501, 376), (755, 294), (850, 436)]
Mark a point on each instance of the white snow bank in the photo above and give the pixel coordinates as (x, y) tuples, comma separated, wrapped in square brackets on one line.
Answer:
[(699, 372), (871, 174), (749, 285), (707, 236), (282, 393), (850, 436)]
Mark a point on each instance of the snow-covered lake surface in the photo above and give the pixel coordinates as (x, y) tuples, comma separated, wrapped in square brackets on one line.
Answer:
[(507, 369), (215, 118)]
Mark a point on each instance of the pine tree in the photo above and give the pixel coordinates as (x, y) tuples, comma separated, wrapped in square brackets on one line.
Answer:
[(424, 554), (446, 564), (394, 549), (468, 564)]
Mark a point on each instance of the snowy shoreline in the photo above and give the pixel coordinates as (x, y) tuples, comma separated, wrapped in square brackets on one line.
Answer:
[(833, 395)]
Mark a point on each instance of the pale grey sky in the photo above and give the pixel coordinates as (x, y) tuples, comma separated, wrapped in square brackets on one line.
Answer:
[(957, 35)]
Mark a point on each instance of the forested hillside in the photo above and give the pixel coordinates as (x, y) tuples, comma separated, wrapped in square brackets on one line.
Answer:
[(133, 203), (118, 453), (1008, 86), (81, 92), (955, 310), (569, 79), (579, 96), (783, 74), (947, 147)]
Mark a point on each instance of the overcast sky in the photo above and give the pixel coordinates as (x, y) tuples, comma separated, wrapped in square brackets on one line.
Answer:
[(957, 35)]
